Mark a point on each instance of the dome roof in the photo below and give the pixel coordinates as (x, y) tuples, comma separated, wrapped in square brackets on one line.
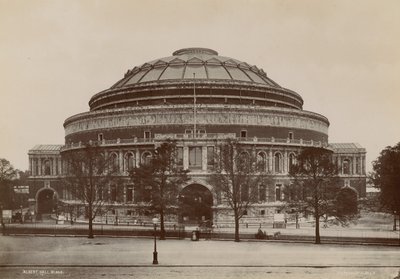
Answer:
[(217, 79), (198, 63)]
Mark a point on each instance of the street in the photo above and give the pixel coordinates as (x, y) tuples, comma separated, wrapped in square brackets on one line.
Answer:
[(79, 257)]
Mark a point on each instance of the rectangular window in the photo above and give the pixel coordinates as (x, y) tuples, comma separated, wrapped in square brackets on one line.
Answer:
[(179, 156), (210, 155), (129, 193), (290, 135), (100, 137), (278, 192), (188, 131), (147, 134), (262, 193), (243, 134), (195, 157), (113, 193), (262, 212)]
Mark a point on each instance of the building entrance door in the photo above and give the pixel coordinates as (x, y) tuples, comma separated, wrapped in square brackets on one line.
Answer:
[(195, 202), (46, 201)]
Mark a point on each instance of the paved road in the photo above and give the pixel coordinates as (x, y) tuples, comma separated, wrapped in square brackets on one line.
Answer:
[(79, 257)]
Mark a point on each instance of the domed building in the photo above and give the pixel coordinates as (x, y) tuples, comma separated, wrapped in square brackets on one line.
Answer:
[(199, 99)]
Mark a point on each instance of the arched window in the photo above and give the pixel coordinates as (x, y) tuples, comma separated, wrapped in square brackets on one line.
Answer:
[(47, 167), (261, 162), (346, 166), (292, 161), (114, 162), (146, 158), (278, 162), (130, 161)]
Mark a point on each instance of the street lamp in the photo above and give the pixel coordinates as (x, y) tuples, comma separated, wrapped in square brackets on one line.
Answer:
[(22, 220), (155, 254)]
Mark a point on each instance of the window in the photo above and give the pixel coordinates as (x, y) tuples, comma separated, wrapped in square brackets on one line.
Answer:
[(278, 192), (210, 155), (113, 193), (243, 134), (346, 166), (261, 162), (291, 161), (100, 137), (262, 193), (147, 134), (114, 162), (100, 195), (146, 158), (47, 167), (278, 163), (129, 193), (262, 212), (188, 131), (290, 136), (244, 192), (357, 165), (130, 161), (195, 157), (179, 156)]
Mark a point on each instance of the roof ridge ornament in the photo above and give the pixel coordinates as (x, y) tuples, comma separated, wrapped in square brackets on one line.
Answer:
[(194, 50)]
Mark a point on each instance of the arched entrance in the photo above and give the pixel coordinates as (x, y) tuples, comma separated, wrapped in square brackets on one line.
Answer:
[(46, 201), (195, 202)]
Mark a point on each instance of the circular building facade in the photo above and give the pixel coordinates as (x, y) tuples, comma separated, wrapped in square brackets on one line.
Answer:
[(198, 97)]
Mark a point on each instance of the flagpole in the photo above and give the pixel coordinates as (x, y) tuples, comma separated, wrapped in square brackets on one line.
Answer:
[(194, 105)]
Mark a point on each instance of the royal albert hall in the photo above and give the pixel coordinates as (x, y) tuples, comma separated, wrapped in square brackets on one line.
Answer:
[(199, 99)]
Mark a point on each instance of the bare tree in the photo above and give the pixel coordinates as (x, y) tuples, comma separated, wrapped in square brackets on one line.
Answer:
[(7, 174), (236, 179), (158, 181), (89, 174), (314, 186)]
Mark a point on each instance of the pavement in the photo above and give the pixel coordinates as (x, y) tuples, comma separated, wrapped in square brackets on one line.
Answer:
[(79, 257)]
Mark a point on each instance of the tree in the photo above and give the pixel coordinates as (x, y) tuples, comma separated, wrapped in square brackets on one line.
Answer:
[(7, 174), (158, 180), (236, 179), (314, 188), (89, 174), (386, 177)]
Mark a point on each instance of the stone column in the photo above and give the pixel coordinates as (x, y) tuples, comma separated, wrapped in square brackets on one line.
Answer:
[(40, 166), (285, 162), (185, 157), (339, 158), (121, 161), (31, 165), (137, 158), (354, 165), (270, 161), (59, 166), (204, 158), (54, 166)]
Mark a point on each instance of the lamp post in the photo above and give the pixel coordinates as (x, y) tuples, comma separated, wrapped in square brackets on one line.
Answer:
[(155, 254), (22, 216)]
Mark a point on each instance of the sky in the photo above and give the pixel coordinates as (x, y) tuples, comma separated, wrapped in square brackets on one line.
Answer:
[(342, 57)]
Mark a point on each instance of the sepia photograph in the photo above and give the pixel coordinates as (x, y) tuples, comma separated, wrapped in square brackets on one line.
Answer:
[(219, 139)]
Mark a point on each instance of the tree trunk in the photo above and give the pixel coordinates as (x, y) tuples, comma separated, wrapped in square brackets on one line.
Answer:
[(237, 237), (317, 236), (162, 227), (90, 222)]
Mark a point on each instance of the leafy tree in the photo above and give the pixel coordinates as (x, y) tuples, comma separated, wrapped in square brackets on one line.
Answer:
[(89, 174), (314, 188), (386, 177), (236, 179), (7, 175), (158, 181)]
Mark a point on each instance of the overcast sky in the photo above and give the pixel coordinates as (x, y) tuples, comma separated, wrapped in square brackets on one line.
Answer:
[(342, 57)]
